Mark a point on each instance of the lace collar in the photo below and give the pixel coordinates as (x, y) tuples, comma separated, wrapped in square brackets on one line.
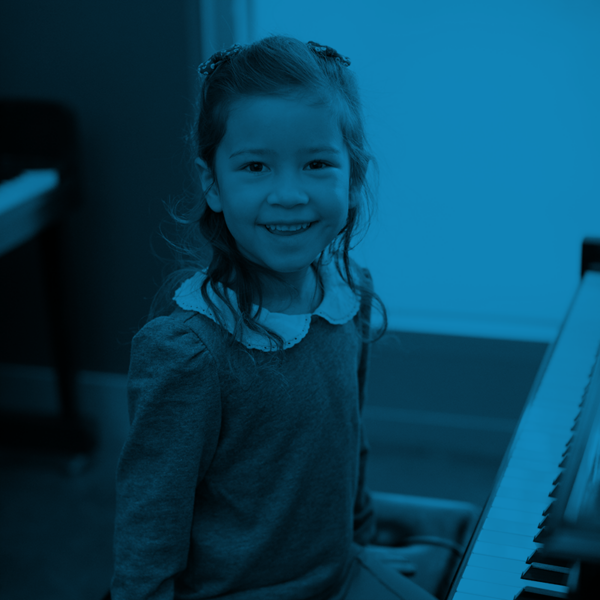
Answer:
[(339, 305)]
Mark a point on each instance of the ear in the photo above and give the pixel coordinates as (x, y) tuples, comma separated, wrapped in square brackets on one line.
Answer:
[(208, 183)]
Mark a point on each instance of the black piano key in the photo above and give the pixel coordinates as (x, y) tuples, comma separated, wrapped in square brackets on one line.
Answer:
[(557, 479), (541, 536), (543, 522), (548, 509), (532, 593), (538, 556), (554, 492), (563, 462), (546, 574)]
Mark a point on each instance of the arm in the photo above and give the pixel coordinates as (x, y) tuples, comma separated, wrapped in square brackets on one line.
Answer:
[(174, 413)]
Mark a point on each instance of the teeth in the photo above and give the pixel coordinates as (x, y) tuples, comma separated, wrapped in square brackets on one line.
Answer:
[(287, 227)]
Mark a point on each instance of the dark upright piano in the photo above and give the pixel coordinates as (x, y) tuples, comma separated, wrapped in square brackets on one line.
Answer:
[(39, 185)]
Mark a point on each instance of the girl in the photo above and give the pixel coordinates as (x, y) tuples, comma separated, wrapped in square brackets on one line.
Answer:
[(243, 473)]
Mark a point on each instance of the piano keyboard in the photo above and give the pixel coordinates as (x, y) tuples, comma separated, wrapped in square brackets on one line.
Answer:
[(26, 206), (503, 544)]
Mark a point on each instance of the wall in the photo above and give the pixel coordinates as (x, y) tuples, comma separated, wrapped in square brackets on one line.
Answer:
[(126, 69), (484, 119), (482, 116)]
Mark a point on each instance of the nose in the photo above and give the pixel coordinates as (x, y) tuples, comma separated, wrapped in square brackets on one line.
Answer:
[(287, 192)]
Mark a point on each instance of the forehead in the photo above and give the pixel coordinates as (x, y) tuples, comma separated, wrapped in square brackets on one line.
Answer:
[(281, 123)]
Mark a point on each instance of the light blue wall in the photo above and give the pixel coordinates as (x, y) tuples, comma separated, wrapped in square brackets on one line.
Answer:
[(484, 116)]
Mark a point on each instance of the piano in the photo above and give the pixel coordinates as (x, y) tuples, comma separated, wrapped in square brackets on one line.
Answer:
[(28, 204), (33, 201), (526, 544)]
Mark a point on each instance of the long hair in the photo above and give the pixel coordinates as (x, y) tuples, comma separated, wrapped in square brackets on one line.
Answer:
[(276, 66)]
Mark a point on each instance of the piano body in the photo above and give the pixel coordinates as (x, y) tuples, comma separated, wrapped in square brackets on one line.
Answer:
[(539, 534), (39, 185)]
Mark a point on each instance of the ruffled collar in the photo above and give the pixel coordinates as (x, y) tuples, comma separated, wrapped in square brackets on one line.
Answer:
[(339, 305)]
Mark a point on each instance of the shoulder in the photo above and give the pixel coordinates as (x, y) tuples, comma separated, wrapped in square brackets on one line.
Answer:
[(173, 388), (170, 340)]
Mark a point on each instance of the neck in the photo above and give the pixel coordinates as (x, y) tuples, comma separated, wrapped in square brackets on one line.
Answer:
[(306, 299)]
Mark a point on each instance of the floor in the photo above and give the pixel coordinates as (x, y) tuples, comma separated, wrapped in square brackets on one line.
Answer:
[(440, 414)]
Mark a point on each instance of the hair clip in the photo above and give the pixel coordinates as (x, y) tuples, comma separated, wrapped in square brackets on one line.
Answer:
[(209, 66), (327, 51)]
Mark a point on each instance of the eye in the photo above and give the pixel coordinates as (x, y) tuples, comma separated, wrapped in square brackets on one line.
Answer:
[(257, 167), (249, 166), (318, 162)]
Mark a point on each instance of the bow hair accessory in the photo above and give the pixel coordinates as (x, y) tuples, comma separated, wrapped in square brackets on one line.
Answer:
[(327, 51), (209, 66)]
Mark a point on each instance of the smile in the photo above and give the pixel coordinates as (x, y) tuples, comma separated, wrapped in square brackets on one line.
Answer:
[(288, 229)]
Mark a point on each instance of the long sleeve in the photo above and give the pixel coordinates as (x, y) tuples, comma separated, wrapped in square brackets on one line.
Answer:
[(364, 516), (175, 417)]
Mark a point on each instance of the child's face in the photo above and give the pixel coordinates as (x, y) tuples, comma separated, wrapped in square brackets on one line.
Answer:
[(273, 167)]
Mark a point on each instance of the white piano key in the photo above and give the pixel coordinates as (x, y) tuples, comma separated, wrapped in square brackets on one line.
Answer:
[(549, 464), (533, 486), (540, 495), (490, 590), (563, 391), (526, 506), (554, 410), (496, 562), (548, 439), (511, 527), (551, 413), (553, 427), (493, 576), (464, 596), (535, 466), (501, 550), (531, 429), (507, 579), (560, 410), (558, 435), (566, 364), (516, 516), (539, 446), (529, 474), (507, 539), (556, 374), (569, 368), (577, 368), (578, 336), (566, 391), (520, 451)]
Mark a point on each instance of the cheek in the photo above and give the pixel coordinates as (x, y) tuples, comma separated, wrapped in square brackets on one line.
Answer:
[(336, 204), (239, 215)]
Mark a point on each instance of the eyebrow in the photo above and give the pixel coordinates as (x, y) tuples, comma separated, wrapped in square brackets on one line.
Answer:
[(266, 151)]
